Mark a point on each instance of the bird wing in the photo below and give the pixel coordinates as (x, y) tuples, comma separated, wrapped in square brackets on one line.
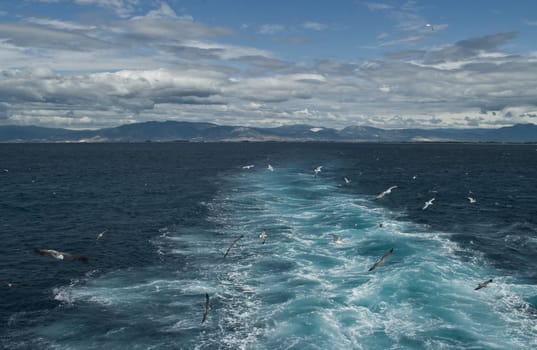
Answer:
[(75, 257), (207, 307), (232, 245), (381, 260), (374, 266)]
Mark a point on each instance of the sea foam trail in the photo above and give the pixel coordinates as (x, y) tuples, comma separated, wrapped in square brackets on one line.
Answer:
[(305, 291), (299, 290)]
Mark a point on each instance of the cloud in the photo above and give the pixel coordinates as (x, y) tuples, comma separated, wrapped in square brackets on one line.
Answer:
[(30, 35), (122, 8), (374, 6), (162, 66), (59, 25), (4, 111), (314, 26), (271, 28), (409, 23), (406, 54), (469, 48), (132, 91), (166, 28)]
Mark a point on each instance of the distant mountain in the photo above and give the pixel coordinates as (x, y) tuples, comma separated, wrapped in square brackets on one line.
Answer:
[(208, 132)]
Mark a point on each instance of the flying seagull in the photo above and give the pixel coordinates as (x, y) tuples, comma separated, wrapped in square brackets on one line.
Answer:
[(263, 237), (60, 255), (232, 245), (250, 166), (347, 181), (428, 204), (317, 170), (101, 234), (483, 285), (472, 200), (381, 260), (428, 25), (207, 308), (388, 191), (270, 168)]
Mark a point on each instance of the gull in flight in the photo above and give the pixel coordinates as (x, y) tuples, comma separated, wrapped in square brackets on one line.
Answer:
[(428, 204), (381, 260), (263, 237), (232, 245), (101, 234), (60, 255), (472, 200), (317, 170), (428, 25), (483, 285), (347, 181), (250, 166), (207, 308), (269, 167), (388, 191)]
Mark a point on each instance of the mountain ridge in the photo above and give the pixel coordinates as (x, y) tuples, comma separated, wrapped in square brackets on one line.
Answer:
[(169, 131)]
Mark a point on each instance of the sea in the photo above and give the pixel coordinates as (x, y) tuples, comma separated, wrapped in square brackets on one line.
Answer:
[(170, 212)]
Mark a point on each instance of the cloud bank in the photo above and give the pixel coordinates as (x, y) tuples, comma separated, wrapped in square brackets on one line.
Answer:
[(162, 66)]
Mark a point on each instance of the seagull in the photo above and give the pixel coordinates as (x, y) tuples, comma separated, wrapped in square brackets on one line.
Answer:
[(100, 235), (472, 200), (483, 285), (428, 204), (269, 167), (336, 238), (250, 166), (414, 177), (381, 260), (317, 170), (347, 181), (232, 245), (388, 191), (263, 237), (428, 25), (60, 255), (207, 308)]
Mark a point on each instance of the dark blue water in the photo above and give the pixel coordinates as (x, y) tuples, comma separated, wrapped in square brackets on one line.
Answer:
[(171, 211)]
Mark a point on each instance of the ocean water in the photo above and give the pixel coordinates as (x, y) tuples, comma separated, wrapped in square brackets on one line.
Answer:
[(173, 209)]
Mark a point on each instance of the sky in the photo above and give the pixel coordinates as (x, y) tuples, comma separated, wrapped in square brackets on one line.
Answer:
[(88, 64)]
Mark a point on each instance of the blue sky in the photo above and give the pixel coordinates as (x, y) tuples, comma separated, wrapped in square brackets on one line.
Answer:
[(391, 64)]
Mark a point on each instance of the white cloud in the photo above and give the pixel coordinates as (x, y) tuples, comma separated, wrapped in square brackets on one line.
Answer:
[(271, 28), (314, 26), (123, 8), (161, 66), (373, 6)]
